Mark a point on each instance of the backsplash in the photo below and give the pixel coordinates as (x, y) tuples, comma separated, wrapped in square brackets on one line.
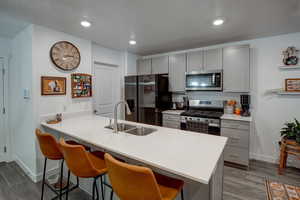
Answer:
[(201, 95)]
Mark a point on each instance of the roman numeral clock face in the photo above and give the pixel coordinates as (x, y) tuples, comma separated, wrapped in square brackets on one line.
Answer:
[(65, 55)]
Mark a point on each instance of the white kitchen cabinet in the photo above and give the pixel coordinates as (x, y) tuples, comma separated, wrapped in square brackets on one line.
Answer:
[(236, 69), (177, 69), (144, 67), (194, 61), (160, 65), (237, 147), (171, 120), (213, 59)]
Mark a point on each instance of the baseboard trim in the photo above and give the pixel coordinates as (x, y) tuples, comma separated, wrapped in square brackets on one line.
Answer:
[(25, 169), (269, 159), (34, 177)]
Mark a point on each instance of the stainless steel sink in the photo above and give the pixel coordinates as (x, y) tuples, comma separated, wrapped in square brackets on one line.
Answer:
[(141, 131), (121, 127), (131, 129)]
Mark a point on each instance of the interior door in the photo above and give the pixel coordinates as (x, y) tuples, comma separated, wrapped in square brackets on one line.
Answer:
[(2, 124), (105, 89)]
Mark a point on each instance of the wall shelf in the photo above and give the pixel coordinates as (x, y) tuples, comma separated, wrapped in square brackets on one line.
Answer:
[(288, 93), (282, 92), (289, 67)]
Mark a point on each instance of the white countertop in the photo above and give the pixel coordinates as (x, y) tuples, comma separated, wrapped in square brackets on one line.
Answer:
[(187, 154), (173, 112), (236, 117)]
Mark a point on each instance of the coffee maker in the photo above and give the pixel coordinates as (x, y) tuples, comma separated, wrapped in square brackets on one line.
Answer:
[(245, 104)]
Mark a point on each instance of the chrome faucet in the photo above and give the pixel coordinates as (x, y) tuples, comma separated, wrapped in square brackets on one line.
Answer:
[(116, 114)]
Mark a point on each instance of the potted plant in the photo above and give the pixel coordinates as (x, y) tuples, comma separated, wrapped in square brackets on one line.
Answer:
[(291, 131)]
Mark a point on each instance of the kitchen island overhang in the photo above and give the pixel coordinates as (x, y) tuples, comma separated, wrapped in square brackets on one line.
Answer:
[(194, 157)]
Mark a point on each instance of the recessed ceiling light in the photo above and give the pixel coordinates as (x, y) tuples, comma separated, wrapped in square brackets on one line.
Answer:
[(132, 42), (85, 23), (218, 22)]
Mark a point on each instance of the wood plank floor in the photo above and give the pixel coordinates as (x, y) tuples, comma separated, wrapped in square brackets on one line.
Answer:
[(238, 184)]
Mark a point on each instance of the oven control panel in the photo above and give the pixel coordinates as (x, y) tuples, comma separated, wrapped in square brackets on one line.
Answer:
[(209, 121)]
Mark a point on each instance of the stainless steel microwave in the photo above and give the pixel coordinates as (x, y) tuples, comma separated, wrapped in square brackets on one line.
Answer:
[(204, 80)]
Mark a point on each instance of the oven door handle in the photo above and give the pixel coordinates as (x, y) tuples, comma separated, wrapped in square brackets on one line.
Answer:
[(214, 125)]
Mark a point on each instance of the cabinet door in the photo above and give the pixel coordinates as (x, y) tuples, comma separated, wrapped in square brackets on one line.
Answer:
[(194, 61), (160, 65), (236, 69), (144, 67), (177, 69), (212, 59)]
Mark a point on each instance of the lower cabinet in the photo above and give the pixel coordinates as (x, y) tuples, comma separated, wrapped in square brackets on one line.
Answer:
[(237, 148), (171, 121)]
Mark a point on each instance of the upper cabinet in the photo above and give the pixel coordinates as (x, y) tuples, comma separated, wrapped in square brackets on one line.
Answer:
[(194, 61), (236, 64), (177, 69), (212, 59), (160, 65), (144, 67)]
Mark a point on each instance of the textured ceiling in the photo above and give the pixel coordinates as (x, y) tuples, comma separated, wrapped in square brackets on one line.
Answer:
[(160, 25)]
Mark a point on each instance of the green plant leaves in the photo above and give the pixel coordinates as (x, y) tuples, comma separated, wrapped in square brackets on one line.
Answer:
[(291, 130)]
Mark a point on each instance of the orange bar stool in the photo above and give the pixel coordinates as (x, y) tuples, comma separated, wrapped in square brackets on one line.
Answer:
[(50, 149), (85, 164), (132, 182)]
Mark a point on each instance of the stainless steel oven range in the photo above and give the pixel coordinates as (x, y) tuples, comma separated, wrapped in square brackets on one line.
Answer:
[(203, 116)]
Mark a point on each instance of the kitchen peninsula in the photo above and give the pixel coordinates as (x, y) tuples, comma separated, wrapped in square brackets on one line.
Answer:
[(195, 158)]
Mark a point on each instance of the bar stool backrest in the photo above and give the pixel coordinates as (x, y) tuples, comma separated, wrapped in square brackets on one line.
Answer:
[(48, 145), (78, 160), (132, 182)]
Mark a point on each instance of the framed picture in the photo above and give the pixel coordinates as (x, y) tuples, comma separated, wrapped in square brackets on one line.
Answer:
[(53, 85), (292, 85), (81, 85)]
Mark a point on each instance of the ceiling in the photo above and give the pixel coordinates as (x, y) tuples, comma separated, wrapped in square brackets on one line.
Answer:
[(10, 26), (159, 25)]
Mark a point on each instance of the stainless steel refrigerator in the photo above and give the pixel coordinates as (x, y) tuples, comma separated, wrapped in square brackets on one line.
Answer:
[(147, 96)]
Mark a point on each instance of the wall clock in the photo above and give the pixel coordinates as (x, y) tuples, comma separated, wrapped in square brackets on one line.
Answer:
[(65, 55)]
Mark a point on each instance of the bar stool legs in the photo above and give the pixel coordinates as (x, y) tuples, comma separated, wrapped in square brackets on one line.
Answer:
[(44, 177), (111, 195), (61, 179), (44, 180), (102, 187), (182, 197), (95, 189)]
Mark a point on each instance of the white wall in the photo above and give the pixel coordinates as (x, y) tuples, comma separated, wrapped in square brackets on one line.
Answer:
[(43, 39), (271, 111), (21, 113)]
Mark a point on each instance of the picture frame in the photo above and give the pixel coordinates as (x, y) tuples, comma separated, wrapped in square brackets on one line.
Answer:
[(51, 85), (292, 85), (81, 85)]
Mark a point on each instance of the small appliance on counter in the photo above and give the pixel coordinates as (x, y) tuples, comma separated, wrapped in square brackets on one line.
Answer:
[(229, 107), (245, 103)]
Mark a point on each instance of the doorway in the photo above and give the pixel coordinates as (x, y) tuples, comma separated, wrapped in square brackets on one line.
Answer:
[(106, 88), (3, 127)]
